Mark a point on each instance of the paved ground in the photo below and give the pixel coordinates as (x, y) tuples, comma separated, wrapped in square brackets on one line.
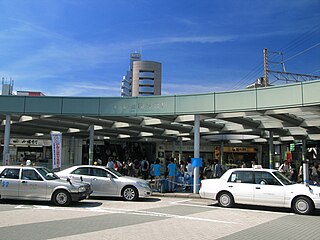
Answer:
[(153, 218)]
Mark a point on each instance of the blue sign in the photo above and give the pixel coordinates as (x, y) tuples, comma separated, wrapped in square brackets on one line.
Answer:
[(196, 162)]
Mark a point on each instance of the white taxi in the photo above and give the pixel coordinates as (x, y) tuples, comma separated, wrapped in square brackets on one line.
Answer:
[(265, 187)]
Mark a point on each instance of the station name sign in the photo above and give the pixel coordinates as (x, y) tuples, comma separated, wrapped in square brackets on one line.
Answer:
[(140, 107)]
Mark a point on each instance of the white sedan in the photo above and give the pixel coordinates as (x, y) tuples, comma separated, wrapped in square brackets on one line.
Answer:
[(108, 182), (265, 187)]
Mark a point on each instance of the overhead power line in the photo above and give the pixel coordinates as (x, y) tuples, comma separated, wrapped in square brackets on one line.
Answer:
[(306, 50)]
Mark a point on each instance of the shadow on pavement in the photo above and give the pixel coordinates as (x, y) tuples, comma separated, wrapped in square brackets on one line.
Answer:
[(82, 203), (148, 199), (266, 209)]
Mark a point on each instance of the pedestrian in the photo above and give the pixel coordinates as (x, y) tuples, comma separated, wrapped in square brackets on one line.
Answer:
[(157, 173), (217, 170), (294, 173), (125, 168), (300, 174), (130, 168), (110, 163), (182, 167), (207, 169), (314, 173), (151, 172), (285, 168), (136, 168), (172, 169), (189, 168), (145, 169)]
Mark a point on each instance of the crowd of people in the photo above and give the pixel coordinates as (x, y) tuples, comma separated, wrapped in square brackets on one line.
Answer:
[(171, 168), (295, 173), (155, 171)]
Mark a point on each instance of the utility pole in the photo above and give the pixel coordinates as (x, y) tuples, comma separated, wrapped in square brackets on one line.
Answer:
[(265, 82), (281, 74)]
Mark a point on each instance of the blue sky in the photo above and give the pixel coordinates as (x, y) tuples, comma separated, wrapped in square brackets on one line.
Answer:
[(82, 47)]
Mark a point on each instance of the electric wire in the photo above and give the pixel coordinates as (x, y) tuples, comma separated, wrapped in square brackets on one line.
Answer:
[(257, 71), (298, 54)]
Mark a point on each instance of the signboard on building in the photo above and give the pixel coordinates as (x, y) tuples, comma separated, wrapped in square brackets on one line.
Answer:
[(30, 142)]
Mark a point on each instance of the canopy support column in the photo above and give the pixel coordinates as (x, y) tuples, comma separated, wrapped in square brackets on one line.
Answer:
[(196, 129), (6, 150), (91, 141)]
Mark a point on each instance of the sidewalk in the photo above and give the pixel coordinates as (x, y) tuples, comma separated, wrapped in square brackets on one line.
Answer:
[(178, 194)]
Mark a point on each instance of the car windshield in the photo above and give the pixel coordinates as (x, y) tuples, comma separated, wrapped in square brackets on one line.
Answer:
[(114, 172), (282, 178), (47, 174)]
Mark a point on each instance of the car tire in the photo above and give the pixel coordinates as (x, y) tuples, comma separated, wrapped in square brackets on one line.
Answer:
[(61, 198), (302, 205), (130, 193), (226, 200)]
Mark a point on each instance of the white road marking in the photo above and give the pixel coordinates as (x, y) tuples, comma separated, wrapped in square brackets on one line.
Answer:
[(231, 209), (181, 201), (124, 211)]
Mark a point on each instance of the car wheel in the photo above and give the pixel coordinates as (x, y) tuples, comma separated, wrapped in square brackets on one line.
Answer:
[(225, 199), (61, 198), (302, 205), (130, 193)]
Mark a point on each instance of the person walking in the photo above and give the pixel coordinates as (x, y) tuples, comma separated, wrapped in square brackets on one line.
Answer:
[(172, 168)]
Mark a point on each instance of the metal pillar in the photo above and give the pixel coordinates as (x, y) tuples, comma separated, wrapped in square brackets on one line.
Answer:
[(71, 148), (173, 149), (196, 131), (305, 162), (180, 149), (271, 151), (91, 140), (221, 152), (259, 155), (6, 150)]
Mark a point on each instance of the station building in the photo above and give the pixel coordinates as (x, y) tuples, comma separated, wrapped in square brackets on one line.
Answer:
[(235, 126)]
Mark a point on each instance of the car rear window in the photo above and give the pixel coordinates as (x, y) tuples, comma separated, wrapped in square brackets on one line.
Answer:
[(81, 171), (241, 177), (12, 173)]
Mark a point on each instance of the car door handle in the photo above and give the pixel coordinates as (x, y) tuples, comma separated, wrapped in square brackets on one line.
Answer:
[(94, 179), (258, 188), (230, 186), (23, 181)]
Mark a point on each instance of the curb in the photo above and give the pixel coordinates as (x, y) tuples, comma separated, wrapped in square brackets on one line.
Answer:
[(176, 195)]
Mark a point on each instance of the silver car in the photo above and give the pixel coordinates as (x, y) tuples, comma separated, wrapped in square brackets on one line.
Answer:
[(108, 182), (38, 183)]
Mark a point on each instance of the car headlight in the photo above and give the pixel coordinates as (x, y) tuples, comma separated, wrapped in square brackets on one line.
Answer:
[(82, 189), (143, 184)]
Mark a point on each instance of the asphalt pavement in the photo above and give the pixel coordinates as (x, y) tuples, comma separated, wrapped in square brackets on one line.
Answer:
[(182, 217)]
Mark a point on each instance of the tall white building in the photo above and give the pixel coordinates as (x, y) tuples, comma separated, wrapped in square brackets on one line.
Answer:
[(142, 79)]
